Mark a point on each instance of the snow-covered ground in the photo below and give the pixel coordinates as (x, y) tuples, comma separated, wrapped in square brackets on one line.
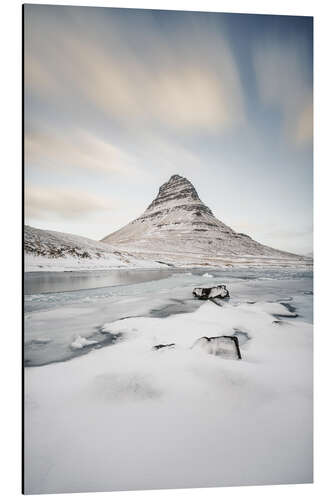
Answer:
[(55, 251), (127, 416), (69, 263)]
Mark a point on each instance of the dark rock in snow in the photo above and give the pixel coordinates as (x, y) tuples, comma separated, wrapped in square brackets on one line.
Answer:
[(213, 292), (242, 336), (226, 346), (278, 322), (163, 346), (290, 308)]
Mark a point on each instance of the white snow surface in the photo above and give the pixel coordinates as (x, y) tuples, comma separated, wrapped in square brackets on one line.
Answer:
[(129, 417), (81, 342)]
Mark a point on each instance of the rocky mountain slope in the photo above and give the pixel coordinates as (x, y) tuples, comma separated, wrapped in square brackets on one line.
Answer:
[(51, 250), (179, 228)]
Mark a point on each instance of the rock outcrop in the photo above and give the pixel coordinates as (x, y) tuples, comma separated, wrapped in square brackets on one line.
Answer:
[(213, 292), (163, 346), (224, 346)]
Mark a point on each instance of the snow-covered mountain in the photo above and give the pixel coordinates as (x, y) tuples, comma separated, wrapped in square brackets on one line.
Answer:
[(176, 229), (51, 250), (179, 228)]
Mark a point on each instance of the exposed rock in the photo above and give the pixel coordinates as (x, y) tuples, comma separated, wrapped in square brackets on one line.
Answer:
[(163, 346), (225, 346), (291, 310), (213, 292), (55, 245), (242, 336)]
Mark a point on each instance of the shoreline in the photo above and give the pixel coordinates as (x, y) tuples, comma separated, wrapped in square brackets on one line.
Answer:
[(40, 264)]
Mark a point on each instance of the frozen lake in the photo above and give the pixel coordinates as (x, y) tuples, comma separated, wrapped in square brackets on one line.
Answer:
[(45, 282), (183, 417), (61, 306)]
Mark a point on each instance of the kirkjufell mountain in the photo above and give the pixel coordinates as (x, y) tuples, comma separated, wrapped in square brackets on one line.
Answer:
[(178, 228)]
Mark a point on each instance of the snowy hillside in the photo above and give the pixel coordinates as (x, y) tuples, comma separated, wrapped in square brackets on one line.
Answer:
[(51, 250), (179, 228)]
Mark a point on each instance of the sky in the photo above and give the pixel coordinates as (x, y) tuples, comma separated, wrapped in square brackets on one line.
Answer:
[(118, 100)]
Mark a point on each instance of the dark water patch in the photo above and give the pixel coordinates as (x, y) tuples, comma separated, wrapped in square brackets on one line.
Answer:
[(41, 282), (34, 356), (288, 306), (219, 302), (51, 281), (279, 316), (175, 306)]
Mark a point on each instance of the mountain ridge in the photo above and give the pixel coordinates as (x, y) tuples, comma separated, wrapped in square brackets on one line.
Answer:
[(178, 222)]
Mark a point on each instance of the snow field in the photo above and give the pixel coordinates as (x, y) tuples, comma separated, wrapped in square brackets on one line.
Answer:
[(129, 417)]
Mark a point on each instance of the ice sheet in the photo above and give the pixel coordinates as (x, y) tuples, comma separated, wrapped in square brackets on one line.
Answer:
[(127, 416)]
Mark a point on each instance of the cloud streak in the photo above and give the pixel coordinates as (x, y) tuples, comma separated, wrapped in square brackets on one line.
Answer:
[(284, 84), (76, 148), (175, 82), (43, 203)]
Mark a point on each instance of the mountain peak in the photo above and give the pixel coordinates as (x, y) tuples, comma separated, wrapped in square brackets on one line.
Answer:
[(176, 191), (180, 227), (175, 177)]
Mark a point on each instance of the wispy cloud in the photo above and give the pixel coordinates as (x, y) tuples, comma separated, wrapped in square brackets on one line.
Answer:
[(175, 82), (284, 85), (42, 202), (76, 148), (304, 125)]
